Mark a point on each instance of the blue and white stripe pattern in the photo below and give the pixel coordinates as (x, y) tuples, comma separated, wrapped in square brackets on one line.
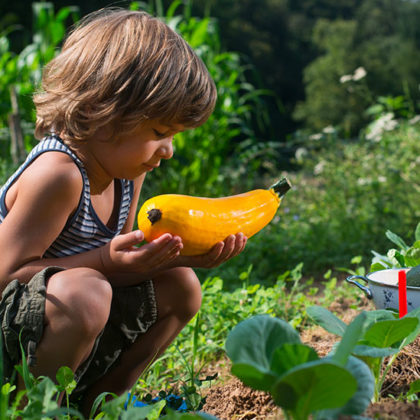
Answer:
[(84, 231)]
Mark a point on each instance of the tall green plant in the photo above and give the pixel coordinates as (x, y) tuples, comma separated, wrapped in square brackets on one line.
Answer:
[(23, 70), (216, 156)]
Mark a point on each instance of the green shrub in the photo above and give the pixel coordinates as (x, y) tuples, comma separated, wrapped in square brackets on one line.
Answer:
[(221, 155), (343, 200)]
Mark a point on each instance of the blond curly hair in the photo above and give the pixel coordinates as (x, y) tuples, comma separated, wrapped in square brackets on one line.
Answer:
[(122, 67)]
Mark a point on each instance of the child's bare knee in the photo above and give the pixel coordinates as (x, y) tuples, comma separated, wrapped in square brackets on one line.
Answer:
[(179, 292), (192, 289), (83, 295)]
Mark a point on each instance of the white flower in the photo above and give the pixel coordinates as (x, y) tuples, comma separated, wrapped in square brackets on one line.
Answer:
[(346, 78), (381, 179), (359, 73), (414, 120), (363, 181), (329, 129), (316, 136), (300, 153), (385, 122), (319, 167)]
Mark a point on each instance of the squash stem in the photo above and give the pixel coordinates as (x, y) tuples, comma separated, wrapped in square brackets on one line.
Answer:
[(281, 187), (154, 215)]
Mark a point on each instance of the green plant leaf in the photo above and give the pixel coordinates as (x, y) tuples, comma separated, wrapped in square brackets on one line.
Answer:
[(290, 355), (151, 412), (350, 338), (377, 266), (65, 378), (40, 399), (316, 386), (57, 31), (417, 232), (27, 376), (414, 387), (64, 12), (100, 399), (356, 260), (113, 408), (412, 257), (253, 376), (387, 333), (415, 313), (327, 320), (372, 317), (396, 258), (254, 340), (199, 34), (361, 399), (394, 238), (369, 351)]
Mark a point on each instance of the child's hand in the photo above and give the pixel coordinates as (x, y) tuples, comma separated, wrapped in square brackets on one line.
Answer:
[(221, 252), (121, 254)]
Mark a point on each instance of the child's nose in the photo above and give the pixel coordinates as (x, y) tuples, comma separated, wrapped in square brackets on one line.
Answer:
[(166, 151)]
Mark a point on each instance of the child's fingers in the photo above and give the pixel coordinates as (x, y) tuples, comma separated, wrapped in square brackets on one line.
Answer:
[(128, 240), (228, 249), (162, 248), (232, 246), (240, 243), (215, 252)]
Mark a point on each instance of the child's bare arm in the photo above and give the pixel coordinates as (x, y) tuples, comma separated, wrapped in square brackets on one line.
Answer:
[(44, 201), (43, 198)]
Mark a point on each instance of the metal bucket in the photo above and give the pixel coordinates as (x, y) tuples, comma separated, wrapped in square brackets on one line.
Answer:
[(382, 287)]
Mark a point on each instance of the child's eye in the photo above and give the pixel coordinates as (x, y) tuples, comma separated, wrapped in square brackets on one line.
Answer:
[(158, 133)]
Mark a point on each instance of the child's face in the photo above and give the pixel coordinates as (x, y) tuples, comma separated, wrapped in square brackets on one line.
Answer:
[(141, 150)]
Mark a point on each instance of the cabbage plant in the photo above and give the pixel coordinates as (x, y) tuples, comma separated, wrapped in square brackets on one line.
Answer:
[(268, 355), (382, 336)]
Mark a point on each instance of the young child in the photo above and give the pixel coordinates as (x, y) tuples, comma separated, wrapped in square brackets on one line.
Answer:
[(74, 283)]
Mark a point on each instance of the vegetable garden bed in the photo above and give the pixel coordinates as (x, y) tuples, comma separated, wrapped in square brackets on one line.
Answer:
[(230, 399)]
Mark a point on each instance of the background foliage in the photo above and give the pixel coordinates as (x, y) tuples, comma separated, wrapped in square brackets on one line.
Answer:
[(325, 93)]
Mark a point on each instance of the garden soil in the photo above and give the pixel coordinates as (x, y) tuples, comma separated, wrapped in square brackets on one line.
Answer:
[(229, 399)]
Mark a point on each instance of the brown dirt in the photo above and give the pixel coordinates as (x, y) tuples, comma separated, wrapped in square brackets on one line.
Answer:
[(229, 399), (233, 400)]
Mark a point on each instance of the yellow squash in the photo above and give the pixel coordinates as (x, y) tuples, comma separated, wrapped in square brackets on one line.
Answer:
[(202, 222)]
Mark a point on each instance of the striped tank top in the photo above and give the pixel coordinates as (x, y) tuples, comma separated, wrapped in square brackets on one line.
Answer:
[(84, 230)]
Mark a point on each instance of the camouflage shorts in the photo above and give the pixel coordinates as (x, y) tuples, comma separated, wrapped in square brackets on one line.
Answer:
[(22, 309)]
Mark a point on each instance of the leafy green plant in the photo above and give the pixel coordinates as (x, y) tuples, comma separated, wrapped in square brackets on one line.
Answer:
[(41, 395), (382, 335), (23, 70), (412, 394), (214, 158), (402, 256), (40, 399), (267, 355), (344, 197), (225, 305), (190, 387)]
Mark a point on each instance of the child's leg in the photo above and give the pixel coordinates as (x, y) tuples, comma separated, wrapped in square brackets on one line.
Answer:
[(178, 297), (76, 310)]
